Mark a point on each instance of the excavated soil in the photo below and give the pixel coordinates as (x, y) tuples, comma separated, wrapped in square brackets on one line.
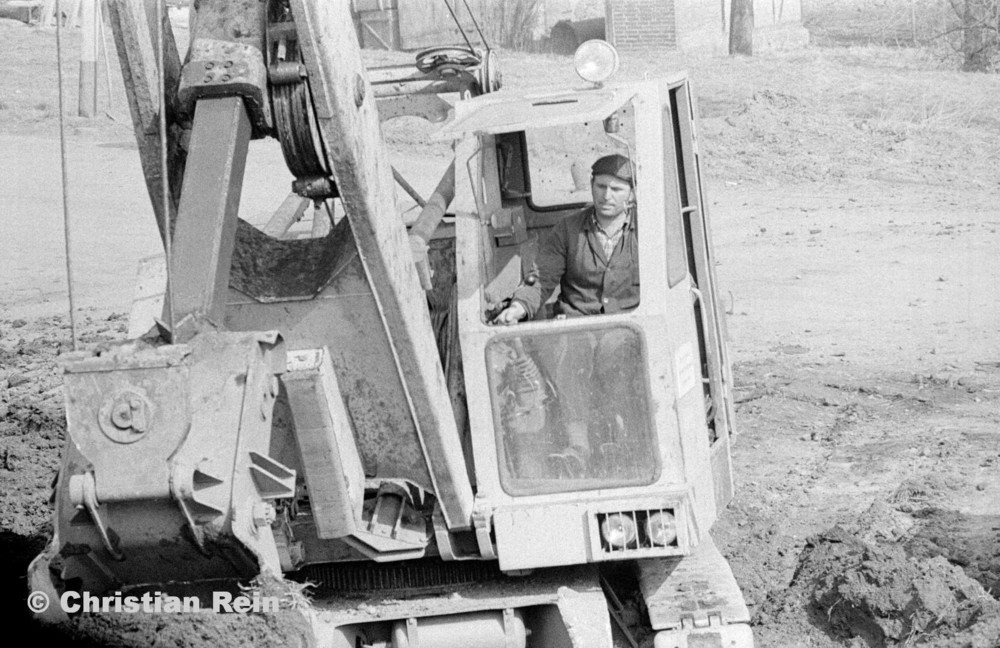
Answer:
[(874, 583)]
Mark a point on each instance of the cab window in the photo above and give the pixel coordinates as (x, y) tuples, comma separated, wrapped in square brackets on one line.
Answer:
[(559, 158)]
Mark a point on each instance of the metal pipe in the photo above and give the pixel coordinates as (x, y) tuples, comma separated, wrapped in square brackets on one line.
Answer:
[(407, 187), (488, 629), (432, 213)]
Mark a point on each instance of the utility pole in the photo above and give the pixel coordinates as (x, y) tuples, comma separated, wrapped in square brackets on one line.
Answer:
[(741, 27)]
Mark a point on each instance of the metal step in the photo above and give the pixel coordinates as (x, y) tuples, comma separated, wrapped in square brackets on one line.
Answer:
[(689, 591)]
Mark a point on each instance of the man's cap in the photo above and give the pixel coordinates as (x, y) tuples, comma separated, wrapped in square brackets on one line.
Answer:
[(615, 165)]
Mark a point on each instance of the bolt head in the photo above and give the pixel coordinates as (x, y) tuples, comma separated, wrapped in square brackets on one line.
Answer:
[(121, 416), (359, 90)]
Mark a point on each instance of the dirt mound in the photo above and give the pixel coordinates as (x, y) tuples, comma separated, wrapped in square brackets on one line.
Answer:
[(970, 541), (783, 128), (866, 583), (285, 628)]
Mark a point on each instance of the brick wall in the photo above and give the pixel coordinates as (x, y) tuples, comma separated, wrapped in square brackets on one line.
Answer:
[(691, 25), (641, 24)]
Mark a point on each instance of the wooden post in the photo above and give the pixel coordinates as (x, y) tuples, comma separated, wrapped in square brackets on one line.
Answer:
[(88, 60)]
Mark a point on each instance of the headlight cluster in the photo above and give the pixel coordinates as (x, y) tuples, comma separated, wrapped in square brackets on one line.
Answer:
[(638, 529)]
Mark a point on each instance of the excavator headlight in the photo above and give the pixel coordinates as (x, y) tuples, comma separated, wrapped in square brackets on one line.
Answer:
[(618, 530), (661, 528), (596, 61)]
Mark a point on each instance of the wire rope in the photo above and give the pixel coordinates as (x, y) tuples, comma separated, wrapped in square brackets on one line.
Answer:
[(459, 25), (476, 24)]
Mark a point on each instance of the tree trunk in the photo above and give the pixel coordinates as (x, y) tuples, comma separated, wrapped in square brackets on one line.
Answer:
[(741, 27), (974, 37)]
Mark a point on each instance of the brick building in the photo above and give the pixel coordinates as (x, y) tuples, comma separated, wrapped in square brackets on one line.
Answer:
[(700, 24)]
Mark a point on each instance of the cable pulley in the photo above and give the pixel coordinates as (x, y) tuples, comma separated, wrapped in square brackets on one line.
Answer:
[(294, 116)]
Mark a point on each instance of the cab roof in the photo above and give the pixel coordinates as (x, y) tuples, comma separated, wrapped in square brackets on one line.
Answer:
[(506, 111)]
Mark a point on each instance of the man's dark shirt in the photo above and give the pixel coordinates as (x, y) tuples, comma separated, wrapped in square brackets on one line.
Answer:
[(571, 257)]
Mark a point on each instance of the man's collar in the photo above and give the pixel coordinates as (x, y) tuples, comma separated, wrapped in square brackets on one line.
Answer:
[(592, 222)]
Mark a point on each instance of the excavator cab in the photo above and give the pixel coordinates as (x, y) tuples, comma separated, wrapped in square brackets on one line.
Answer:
[(604, 437), (658, 424)]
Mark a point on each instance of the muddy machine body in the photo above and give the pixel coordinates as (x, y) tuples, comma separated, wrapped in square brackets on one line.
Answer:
[(337, 406)]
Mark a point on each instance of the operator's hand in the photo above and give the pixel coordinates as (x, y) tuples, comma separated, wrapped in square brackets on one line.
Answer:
[(512, 314)]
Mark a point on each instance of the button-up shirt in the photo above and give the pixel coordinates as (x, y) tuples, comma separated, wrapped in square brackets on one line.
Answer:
[(609, 240), (592, 278)]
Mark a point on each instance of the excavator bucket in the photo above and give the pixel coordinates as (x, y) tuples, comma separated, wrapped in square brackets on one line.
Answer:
[(166, 476)]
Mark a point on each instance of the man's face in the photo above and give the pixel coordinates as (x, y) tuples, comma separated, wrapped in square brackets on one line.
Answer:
[(611, 195)]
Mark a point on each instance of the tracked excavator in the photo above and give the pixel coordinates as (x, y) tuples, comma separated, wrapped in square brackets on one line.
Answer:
[(336, 406)]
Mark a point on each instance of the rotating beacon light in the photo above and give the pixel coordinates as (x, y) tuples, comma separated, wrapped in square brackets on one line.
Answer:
[(596, 61)]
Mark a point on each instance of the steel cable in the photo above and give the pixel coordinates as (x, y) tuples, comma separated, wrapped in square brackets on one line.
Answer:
[(292, 108)]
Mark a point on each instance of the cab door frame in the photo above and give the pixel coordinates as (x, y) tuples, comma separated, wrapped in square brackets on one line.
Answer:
[(681, 137)]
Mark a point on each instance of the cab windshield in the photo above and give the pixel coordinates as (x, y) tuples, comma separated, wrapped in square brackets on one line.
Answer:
[(572, 410)]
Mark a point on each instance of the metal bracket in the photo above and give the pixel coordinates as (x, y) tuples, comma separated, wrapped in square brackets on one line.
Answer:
[(481, 522), (712, 619), (273, 480), (83, 494), (218, 68), (509, 627), (508, 226)]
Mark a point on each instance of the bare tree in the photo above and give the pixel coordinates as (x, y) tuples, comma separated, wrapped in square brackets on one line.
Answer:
[(979, 23), (741, 27), (510, 23)]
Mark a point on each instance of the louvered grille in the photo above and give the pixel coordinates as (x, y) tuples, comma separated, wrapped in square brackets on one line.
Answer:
[(409, 576)]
